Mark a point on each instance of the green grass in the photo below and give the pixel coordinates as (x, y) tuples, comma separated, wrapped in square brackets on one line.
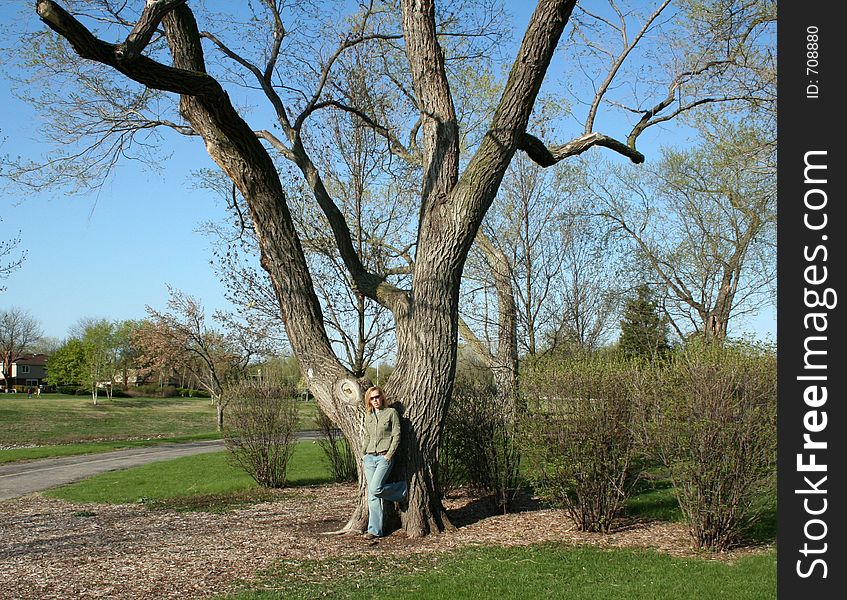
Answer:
[(62, 425), (541, 571), (56, 419), (653, 499), (210, 482), (205, 481), (36, 452)]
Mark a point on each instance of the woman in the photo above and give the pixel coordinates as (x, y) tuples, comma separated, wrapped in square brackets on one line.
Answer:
[(382, 438)]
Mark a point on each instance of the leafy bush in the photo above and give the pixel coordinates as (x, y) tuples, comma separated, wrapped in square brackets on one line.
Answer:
[(336, 448), (580, 449), (261, 428), (67, 389), (712, 421), (153, 390), (478, 446), (191, 393)]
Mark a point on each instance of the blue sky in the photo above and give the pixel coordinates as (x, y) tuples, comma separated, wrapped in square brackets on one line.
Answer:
[(108, 255)]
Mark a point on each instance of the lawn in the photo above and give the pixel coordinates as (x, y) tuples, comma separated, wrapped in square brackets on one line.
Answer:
[(205, 481), (61, 425), (539, 571), (60, 419)]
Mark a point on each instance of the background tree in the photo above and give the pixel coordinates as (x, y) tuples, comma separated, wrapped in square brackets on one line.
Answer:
[(66, 366), (18, 331), (644, 331), (420, 49), (126, 354), (704, 222), (181, 337), (99, 349)]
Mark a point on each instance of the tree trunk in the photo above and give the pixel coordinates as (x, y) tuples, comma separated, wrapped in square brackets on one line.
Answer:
[(219, 416), (421, 386)]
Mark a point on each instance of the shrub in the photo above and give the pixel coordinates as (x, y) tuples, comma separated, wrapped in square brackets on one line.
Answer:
[(191, 393), (580, 448), (478, 446), (261, 427), (153, 390), (67, 389), (713, 424), (336, 448)]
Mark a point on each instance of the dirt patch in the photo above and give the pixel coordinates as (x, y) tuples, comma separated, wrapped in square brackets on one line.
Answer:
[(52, 549)]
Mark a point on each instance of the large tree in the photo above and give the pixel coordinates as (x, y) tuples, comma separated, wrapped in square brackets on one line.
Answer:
[(418, 45), (66, 366)]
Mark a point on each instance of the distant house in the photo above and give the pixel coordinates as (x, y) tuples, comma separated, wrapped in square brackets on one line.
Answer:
[(26, 371)]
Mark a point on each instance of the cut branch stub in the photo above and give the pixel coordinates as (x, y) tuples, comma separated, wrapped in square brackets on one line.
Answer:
[(348, 391)]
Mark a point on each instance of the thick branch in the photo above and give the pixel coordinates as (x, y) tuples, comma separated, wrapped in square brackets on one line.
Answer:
[(143, 31), (547, 157), (485, 171), (429, 75), (365, 282), (143, 70)]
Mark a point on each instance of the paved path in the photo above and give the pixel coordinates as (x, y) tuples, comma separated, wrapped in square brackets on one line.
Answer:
[(21, 478)]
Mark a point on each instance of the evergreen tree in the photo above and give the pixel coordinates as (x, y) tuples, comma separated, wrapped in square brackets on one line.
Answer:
[(644, 332)]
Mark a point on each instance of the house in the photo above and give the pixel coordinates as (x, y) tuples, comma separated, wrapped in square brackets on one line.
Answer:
[(26, 371)]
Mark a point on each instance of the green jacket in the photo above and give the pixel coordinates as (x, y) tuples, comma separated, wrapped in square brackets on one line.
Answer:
[(382, 432)]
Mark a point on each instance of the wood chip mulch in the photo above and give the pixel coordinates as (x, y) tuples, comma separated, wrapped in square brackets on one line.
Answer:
[(50, 549)]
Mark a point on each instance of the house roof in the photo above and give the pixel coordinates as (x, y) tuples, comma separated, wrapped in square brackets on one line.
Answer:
[(38, 360)]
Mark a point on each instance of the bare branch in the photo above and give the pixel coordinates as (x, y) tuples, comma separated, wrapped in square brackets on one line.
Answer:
[(616, 65), (395, 145)]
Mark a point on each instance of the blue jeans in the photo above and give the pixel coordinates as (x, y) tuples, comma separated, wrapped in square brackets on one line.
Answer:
[(376, 471)]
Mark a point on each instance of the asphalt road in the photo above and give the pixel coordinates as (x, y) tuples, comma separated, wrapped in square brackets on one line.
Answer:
[(21, 478)]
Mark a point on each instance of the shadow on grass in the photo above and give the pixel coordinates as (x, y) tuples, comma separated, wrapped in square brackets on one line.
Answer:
[(763, 529), (653, 499)]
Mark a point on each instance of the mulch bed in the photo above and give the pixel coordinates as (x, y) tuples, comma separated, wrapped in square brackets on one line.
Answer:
[(52, 549)]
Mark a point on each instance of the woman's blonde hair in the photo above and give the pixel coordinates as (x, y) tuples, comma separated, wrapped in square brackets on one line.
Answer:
[(367, 398)]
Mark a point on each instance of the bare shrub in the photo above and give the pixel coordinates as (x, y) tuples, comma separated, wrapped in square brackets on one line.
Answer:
[(261, 430), (580, 450), (713, 423), (336, 448), (478, 447)]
